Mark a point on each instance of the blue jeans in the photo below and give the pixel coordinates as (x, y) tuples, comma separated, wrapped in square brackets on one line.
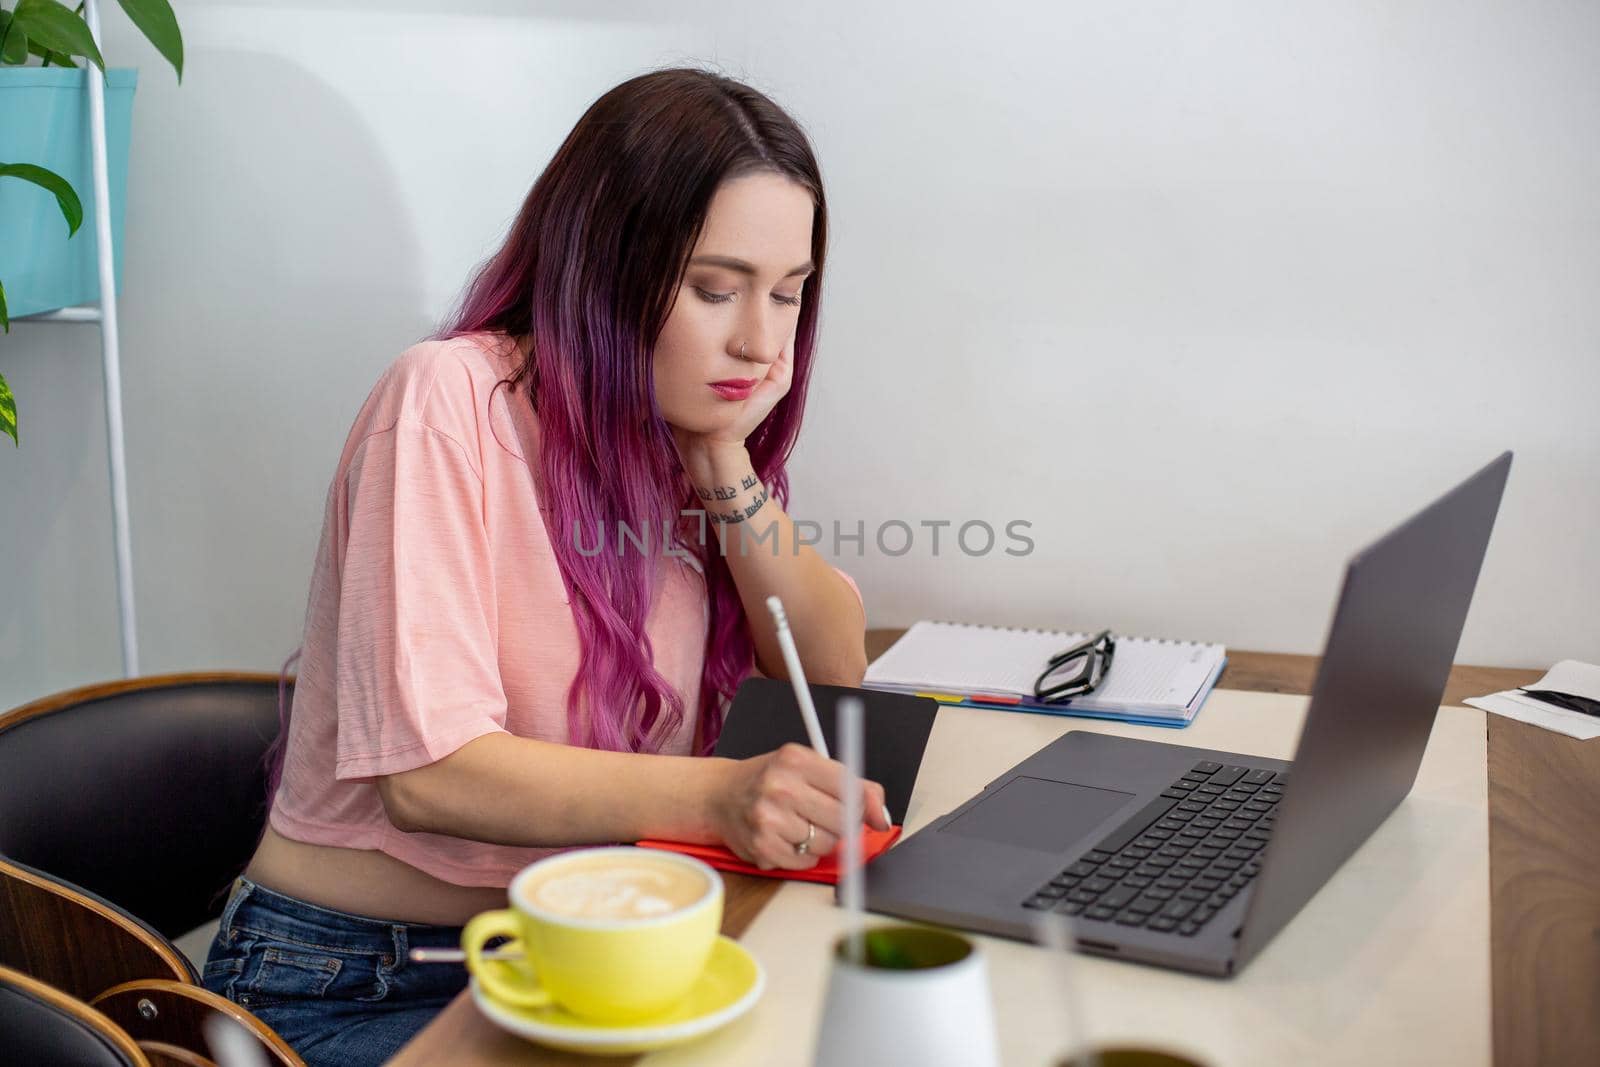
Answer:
[(339, 988)]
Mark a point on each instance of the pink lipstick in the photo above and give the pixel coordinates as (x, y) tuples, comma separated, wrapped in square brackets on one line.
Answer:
[(734, 388)]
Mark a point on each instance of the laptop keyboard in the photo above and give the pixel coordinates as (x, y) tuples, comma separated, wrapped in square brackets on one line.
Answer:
[(1176, 862)]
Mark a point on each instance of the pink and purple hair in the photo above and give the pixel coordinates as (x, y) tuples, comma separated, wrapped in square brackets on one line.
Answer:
[(588, 275)]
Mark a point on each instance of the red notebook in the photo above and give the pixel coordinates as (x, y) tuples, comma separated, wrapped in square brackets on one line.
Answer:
[(873, 843)]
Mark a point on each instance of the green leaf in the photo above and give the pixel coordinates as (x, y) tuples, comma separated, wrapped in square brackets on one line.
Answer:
[(885, 952), (71, 206), (57, 29), (51, 59), (8, 412), (5, 316), (160, 27), (13, 42)]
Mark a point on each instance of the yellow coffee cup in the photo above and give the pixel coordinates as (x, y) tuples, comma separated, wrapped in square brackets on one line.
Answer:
[(615, 935)]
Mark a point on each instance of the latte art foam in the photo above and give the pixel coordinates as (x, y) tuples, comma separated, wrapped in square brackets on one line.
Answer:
[(610, 888)]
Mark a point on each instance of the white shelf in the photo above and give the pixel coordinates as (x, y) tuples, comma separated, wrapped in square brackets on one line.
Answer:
[(105, 316)]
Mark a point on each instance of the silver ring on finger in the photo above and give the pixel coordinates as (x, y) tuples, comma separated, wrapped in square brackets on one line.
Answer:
[(805, 846)]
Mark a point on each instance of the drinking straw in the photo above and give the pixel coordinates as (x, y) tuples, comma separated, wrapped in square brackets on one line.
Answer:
[(1054, 933), (231, 1045), (850, 862)]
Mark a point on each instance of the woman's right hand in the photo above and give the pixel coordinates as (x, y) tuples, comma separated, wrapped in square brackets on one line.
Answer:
[(763, 807)]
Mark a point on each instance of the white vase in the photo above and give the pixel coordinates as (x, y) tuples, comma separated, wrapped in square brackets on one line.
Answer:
[(936, 1013)]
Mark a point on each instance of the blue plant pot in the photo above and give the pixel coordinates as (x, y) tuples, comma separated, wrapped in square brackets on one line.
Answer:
[(44, 120)]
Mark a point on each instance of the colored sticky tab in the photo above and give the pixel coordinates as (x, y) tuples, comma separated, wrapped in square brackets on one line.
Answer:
[(944, 698), (995, 698)]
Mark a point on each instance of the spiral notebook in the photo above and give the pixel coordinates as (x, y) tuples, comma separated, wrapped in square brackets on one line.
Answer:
[(1153, 681)]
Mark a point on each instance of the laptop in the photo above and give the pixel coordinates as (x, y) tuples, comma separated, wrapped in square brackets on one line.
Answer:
[(1193, 858)]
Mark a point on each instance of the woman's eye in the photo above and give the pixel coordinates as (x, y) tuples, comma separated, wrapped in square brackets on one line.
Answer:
[(723, 298)]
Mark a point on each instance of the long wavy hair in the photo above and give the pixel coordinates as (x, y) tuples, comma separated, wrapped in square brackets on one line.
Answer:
[(587, 276)]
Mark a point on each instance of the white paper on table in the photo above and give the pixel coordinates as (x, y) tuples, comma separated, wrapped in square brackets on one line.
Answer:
[(1513, 705), (1570, 676)]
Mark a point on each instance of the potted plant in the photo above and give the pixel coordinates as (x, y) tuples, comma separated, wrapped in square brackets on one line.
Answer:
[(53, 34)]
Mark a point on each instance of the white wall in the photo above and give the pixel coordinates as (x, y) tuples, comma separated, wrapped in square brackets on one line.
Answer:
[(1210, 293)]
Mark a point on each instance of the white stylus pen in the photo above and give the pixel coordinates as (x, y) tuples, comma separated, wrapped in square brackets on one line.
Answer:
[(802, 690), (797, 676)]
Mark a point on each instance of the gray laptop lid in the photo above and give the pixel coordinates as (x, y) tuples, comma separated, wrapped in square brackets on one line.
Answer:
[(1383, 673)]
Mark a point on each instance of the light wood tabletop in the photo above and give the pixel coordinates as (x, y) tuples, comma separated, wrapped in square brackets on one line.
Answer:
[(1544, 799)]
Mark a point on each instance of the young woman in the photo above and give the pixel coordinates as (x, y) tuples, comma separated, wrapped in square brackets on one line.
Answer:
[(493, 667)]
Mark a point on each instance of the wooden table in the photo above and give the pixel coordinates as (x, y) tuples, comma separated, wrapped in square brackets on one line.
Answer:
[(1544, 802)]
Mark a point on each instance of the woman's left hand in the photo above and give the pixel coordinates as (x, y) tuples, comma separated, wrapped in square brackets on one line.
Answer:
[(753, 409)]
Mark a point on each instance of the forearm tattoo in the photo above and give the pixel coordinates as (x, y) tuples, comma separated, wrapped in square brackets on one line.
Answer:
[(728, 518), (728, 492)]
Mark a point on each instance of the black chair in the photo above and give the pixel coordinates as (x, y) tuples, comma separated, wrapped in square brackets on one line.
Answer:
[(43, 1027), (141, 801)]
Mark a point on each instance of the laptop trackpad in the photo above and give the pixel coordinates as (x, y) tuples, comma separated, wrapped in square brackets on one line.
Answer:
[(1038, 813)]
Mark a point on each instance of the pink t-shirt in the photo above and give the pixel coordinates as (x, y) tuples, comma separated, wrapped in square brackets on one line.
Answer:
[(437, 611)]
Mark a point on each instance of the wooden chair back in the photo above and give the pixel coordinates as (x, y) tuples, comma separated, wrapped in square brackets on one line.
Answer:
[(165, 1015), (75, 941)]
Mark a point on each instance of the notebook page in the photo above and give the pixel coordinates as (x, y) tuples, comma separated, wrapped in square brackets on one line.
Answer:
[(1156, 673), (964, 659)]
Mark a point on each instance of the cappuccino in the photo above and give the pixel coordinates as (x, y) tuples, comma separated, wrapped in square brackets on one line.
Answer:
[(613, 886)]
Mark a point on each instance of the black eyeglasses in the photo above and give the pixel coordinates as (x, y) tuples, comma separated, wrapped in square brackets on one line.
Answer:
[(1077, 670)]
